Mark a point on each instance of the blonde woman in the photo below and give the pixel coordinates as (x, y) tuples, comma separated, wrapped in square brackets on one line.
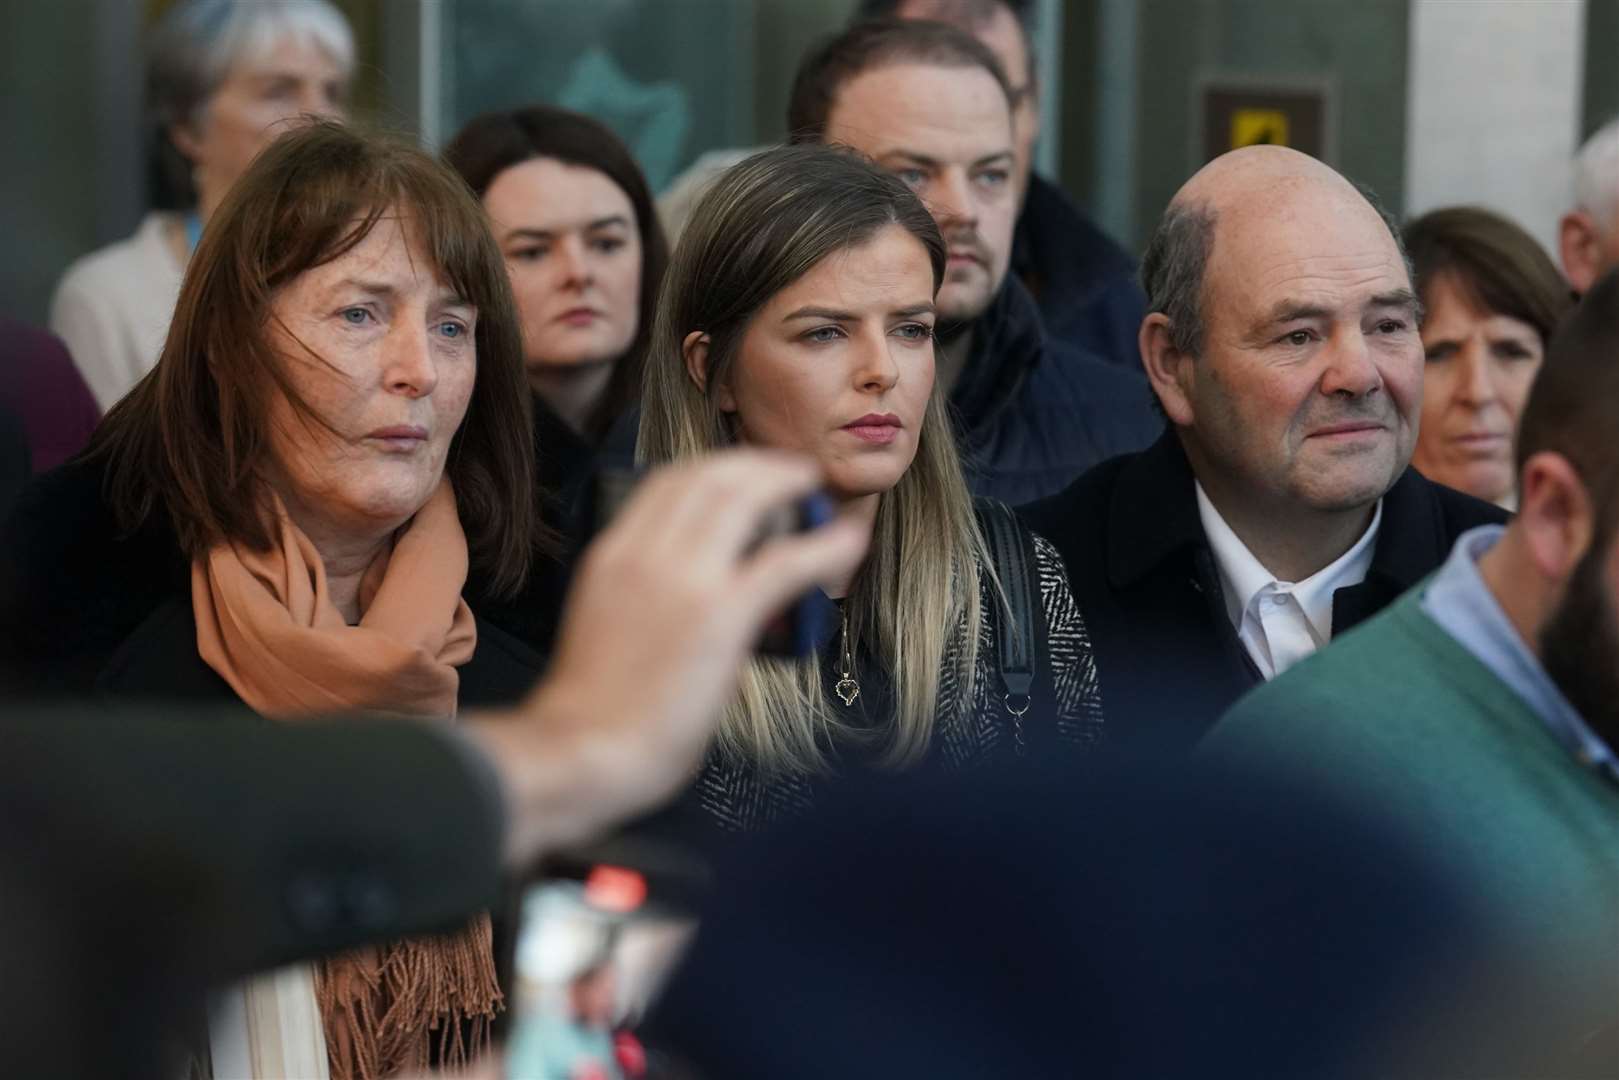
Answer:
[(798, 313)]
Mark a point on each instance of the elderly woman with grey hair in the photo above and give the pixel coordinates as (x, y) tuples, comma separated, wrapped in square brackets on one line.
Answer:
[(223, 76)]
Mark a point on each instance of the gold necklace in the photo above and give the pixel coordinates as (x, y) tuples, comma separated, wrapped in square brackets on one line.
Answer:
[(847, 688)]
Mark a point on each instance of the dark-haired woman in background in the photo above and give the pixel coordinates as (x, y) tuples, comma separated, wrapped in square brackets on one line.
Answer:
[(1493, 298), (574, 218)]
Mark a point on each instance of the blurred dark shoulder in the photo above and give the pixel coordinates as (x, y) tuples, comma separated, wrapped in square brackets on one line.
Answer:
[(74, 581), (45, 395)]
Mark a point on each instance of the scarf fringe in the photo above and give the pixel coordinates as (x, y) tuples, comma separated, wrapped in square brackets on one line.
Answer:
[(381, 1006)]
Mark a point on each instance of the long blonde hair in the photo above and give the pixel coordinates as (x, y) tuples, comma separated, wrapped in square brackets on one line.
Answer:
[(764, 225)]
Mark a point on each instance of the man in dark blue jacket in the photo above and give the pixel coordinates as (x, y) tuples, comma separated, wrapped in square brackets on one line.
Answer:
[(1083, 281), (932, 105)]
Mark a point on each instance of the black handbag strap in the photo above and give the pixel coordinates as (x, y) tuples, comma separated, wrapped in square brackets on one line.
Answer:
[(1011, 548)]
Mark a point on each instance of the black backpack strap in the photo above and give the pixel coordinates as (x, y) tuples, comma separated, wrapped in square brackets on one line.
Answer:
[(1011, 548)]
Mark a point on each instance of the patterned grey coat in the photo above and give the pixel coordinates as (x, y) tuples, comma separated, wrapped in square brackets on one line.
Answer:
[(1066, 714)]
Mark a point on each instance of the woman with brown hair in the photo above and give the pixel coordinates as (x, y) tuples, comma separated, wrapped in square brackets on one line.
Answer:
[(575, 220), (1493, 298), (333, 449)]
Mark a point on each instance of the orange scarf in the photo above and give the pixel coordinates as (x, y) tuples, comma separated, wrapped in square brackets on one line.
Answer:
[(267, 625)]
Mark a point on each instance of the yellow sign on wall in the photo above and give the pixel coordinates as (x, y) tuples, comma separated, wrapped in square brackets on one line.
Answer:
[(1259, 127)]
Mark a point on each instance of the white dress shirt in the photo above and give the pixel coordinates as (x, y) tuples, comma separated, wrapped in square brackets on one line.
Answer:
[(1281, 622)]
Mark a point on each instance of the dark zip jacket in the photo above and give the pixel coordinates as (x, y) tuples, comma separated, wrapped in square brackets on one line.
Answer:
[(1032, 413), (1084, 283)]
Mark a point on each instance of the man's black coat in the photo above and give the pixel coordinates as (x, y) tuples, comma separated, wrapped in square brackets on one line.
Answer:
[(1146, 581)]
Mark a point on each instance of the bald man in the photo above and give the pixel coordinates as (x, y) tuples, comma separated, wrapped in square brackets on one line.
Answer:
[(1279, 508)]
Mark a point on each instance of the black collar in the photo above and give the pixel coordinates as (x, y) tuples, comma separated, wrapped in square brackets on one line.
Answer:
[(560, 450), (1008, 341), (1153, 514)]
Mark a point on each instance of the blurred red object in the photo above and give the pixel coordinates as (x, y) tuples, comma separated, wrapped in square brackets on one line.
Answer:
[(631, 1055), (615, 889)]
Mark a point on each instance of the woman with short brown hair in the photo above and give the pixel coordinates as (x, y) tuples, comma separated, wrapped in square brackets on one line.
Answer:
[(1493, 298), (332, 449)]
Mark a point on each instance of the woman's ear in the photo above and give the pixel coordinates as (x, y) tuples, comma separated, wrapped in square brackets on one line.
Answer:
[(695, 351), (185, 141)]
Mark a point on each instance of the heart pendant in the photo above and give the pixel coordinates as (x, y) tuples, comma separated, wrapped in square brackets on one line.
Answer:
[(847, 689)]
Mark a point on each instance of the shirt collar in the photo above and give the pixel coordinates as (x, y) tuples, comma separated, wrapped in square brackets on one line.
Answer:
[(1464, 607), (1242, 576)]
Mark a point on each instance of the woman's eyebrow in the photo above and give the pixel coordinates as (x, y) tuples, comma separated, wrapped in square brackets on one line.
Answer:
[(829, 314)]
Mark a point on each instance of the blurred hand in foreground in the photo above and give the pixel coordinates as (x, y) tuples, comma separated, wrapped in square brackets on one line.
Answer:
[(666, 604)]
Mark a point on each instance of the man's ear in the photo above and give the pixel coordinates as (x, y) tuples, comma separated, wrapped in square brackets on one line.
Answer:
[(1556, 514), (1168, 369), (695, 351), (1579, 242)]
